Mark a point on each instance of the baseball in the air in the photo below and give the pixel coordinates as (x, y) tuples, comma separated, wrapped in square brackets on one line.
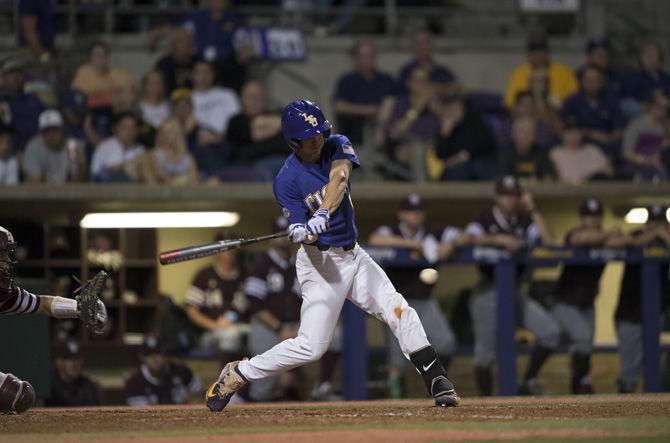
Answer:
[(429, 276)]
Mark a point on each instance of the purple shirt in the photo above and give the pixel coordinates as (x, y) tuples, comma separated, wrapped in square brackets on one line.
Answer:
[(355, 88), (213, 38)]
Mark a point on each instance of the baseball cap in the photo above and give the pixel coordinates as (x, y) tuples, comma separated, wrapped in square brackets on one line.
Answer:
[(152, 345), (591, 206), (657, 213), (597, 42), (74, 100), (180, 94), (412, 202), (68, 349), (279, 224), (50, 118), (12, 64), (508, 185)]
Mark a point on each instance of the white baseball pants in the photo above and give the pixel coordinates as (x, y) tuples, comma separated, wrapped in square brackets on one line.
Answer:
[(326, 279)]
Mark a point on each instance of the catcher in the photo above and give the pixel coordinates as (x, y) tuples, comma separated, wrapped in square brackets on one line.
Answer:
[(17, 396)]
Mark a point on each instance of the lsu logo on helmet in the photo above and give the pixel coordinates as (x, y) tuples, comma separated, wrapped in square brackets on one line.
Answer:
[(310, 119)]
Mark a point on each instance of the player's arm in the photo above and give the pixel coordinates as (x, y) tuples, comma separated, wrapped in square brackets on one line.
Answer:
[(543, 233), (476, 235), (29, 28), (383, 236), (588, 237), (200, 319), (268, 319), (338, 182)]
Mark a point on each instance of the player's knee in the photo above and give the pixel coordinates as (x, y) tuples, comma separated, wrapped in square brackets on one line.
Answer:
[(550, 337), (483, 357), (583, 346), (16, 396), (446, 345)]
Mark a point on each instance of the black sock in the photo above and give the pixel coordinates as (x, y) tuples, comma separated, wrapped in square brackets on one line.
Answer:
[(538, 356), (484, 380), (581, 366), (328, 365), (429, 365)]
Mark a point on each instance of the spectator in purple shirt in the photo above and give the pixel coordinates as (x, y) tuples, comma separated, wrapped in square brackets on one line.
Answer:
[(597, 111), (359, 93), (213, 30), (24, 108), (36, 27), (422, 50)]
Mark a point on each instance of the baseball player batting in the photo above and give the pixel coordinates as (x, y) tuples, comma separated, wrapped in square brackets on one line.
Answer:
[(314, 192)]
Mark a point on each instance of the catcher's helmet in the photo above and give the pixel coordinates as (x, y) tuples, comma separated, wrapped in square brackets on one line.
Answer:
[(7, 258), (302, 119)]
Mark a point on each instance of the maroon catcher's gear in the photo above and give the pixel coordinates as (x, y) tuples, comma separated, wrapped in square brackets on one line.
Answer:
[(16, 396)]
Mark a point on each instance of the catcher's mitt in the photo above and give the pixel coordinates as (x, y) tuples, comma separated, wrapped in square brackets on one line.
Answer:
[(92, 310)]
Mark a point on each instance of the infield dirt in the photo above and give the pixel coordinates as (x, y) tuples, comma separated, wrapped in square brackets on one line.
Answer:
[(622, 418)]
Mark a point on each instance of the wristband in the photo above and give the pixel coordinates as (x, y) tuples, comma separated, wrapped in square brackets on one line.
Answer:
[(64, 308)]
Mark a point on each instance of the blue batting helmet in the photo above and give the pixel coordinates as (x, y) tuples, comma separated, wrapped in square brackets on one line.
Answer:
[(302, 119)]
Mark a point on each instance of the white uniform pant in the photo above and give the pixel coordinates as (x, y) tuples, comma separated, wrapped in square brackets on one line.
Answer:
[(326, 279)]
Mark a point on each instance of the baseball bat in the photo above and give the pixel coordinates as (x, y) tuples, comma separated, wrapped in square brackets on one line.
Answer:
[(199, 251)]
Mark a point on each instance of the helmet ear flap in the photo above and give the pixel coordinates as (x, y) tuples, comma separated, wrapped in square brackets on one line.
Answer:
[(294, 143), (326, 134)]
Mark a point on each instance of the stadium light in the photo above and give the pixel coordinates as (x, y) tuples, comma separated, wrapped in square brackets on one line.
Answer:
[(640, 215), (637, 216), (159, 220)]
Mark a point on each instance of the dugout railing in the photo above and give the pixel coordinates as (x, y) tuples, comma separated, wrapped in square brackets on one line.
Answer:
[(354, 362)]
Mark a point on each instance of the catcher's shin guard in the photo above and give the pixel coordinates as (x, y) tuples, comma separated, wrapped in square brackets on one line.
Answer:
[(16, 396), (434, 375), (220, 392)]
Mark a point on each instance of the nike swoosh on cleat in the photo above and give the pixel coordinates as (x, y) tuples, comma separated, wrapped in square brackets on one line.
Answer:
[(211, 392), (425, 368)]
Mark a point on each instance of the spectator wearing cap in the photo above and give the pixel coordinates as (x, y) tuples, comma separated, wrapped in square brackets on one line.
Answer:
[(77, 122), (216, 304), (575, 161), (561, 80), (524, 158), (121, 157), (464, 148), (650, 74), (655, 233), (274, 303), (9, 165), (159, 380), (596, 110), (170, 159), (213, 31), (359, 93), (37, 27), (422, 50), (577, 289), (511, 223), (434, 243), (598, 53), (182, 109), (69, 386), (176, 66), (48, 158), (255, 133), (646, 142), (105, 86), (24, 107)]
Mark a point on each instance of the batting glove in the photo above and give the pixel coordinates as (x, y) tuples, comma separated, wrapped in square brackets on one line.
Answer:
[(297, 232), (318, 224)]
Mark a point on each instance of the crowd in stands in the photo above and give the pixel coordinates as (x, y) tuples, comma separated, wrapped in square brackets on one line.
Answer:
[(198, 116)]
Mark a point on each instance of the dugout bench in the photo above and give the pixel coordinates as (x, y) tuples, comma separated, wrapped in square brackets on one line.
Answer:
[(354, 364)]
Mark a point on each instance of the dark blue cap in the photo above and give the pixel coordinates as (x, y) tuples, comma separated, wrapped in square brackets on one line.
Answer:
[(74, 100)]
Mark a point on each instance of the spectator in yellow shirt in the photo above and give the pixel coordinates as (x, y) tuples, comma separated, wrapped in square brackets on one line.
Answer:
[(562, 81), (100, 81)]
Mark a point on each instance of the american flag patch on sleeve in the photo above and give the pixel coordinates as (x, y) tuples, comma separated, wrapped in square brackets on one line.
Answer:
[(348, 149)]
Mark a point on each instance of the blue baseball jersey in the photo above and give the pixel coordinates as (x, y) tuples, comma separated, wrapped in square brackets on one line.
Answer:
[(300, 187)]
